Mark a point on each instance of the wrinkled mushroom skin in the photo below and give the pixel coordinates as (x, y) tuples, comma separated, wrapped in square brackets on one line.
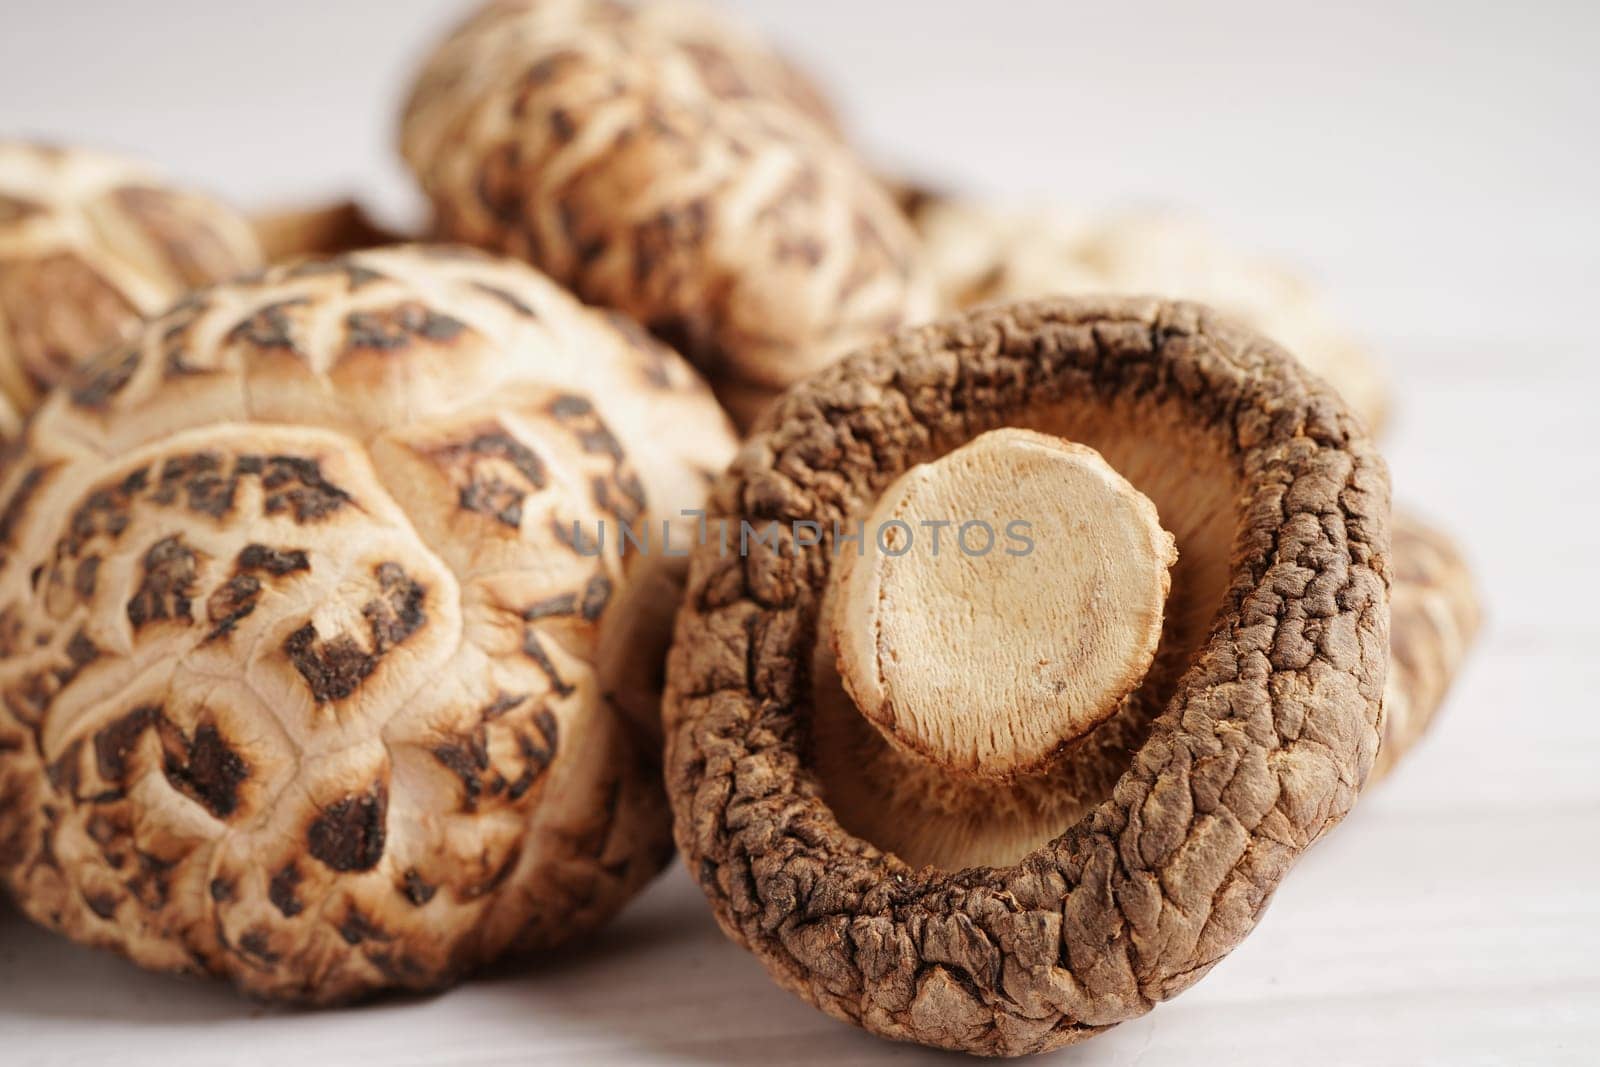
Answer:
[(88, 244), (1245, 744), (302, 665), (670, 171)]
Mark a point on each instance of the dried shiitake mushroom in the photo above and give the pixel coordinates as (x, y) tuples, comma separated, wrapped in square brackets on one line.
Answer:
[(90, 243), (661, 163), (1435, 614), (312, 633), (1061, 871), (980, 255)]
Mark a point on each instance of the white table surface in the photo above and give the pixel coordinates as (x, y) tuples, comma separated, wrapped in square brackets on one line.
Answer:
[(1434, 165)]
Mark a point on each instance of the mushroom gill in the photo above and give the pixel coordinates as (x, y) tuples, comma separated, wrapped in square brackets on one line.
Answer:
[(1152, 849)]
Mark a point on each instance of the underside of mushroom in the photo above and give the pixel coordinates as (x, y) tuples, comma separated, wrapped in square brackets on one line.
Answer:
[(908, 868), (982, 253)]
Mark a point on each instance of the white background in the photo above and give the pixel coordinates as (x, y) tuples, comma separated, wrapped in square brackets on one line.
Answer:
[(1435, 166)]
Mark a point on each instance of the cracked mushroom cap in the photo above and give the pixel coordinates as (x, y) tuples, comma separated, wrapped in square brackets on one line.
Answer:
[(659, 163), (984, 255), (313, 641), (1014, 914), (89, 244)]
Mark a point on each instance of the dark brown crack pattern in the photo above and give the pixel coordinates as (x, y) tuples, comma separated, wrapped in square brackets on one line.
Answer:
[(1269, 735), (303, 683), (618, 147), (334, 667)]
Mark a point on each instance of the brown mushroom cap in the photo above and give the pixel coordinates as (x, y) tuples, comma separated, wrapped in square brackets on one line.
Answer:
[(658, 163), (310, 629), (89, 243), (1250, 736)]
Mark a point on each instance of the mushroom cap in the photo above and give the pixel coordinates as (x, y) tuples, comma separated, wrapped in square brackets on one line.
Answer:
[(713, 50), (1435, 616), (309, 664), (669, 169), (1250, 736), (89, 243), (981, 255)]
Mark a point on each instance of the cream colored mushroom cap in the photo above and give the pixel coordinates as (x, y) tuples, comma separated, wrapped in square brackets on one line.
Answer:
[(680, 173), (89, 243), (314, 649)]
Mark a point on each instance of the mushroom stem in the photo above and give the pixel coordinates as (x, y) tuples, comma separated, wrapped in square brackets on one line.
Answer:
[(1002, 603)]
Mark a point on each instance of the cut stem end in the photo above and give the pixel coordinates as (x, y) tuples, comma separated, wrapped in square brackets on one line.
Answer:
[(1007, 598)]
